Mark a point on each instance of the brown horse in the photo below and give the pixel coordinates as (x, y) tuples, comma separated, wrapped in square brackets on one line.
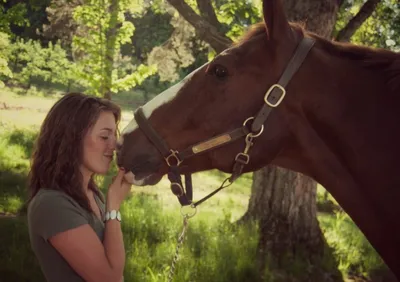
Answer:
[(338, 122)]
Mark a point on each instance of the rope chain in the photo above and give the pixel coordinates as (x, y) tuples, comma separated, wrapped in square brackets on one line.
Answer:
[(181, 238)]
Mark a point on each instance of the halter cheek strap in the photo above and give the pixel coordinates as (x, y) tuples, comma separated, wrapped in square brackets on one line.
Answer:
[(277, 92)]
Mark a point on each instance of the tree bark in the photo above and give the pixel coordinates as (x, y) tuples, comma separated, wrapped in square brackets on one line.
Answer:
[(286, 200), (284, 203), (318, 16), (365, 12)]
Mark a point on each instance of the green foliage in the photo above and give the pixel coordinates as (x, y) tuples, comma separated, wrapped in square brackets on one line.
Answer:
[(102, 30), (4, 53), (238, 15), (136, 78), (15, 150), (30, 61), (16, 15), (31, 57), (381, 30), (24, 19), (152, 28)]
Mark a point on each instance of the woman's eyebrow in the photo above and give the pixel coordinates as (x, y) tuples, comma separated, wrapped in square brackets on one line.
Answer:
[(108, 129)]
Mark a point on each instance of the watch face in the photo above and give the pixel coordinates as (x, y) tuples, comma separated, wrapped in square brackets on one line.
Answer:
[(113, 214)]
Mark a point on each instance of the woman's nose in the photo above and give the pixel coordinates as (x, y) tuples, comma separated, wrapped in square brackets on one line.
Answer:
[(112, 144)]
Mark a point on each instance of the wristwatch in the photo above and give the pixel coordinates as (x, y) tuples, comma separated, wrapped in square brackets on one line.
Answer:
[(113, 214)]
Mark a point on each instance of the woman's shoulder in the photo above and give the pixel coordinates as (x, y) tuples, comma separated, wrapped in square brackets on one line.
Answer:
[(49, 200), (45, 195), (52, 211)]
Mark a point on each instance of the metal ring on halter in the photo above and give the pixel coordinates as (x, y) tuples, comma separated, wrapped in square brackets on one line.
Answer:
[(189, 215), (252, 134), (174, 154)]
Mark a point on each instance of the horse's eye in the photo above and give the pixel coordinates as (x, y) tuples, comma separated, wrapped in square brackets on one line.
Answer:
[(220, 71)]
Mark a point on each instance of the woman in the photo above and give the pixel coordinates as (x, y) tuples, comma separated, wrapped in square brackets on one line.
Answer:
[(70, 227)]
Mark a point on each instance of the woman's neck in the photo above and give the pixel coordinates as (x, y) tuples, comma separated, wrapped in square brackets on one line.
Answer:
[(86, 176)]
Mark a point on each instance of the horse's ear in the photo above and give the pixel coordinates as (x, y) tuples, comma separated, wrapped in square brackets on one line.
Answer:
[(275, 19)]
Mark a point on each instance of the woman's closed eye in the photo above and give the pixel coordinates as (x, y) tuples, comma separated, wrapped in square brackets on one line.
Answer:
[(104, 137)]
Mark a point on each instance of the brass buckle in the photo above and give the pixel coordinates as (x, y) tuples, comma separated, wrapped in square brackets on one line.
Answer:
[(174, 154), (269, 93)]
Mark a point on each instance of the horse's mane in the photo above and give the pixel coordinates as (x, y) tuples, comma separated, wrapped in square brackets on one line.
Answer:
[(377, 59)]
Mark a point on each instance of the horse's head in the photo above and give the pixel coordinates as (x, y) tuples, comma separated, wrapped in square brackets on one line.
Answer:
[(218, 98)]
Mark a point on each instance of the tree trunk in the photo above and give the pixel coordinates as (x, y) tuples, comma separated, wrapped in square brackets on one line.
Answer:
[(319, 16), (287, 202), (111, 40), (283, 201)]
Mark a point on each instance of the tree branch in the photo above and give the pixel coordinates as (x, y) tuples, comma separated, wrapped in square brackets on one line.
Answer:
[(204, 29), (365, 12), (207, 12), (340, 3)]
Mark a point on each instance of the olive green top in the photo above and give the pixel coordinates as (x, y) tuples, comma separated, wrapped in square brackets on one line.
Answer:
[(49, 213)]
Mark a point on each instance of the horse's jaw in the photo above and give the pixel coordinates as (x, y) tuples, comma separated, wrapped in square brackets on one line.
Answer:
[(148, 180)]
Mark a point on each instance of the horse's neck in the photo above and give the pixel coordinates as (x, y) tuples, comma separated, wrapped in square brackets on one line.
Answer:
[(361, 130), (350, 143)]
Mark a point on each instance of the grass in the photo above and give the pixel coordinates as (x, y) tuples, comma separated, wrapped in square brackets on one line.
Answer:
[(214, 250), (153, 230), (353, 252)]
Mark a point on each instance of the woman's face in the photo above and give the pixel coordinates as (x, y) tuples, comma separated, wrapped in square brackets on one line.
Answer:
[(99, 144)]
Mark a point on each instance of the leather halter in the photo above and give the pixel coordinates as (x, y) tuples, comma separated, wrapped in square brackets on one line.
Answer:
[(272, 99)]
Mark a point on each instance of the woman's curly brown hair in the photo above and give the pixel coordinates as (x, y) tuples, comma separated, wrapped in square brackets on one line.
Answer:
[(58, 150)]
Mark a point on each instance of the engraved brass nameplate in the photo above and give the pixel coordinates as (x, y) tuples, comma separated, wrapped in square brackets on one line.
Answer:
[(211, 143)]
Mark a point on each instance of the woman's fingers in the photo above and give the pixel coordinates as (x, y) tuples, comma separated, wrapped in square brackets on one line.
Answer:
[(117, 180)]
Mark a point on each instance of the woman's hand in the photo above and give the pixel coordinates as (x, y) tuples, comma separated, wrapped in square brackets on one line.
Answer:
[(117, 191)]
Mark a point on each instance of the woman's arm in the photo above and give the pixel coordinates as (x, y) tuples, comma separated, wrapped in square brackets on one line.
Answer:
[(87, 255)]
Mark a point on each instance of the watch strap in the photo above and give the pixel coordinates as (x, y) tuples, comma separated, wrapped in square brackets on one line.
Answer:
[(113, 214)]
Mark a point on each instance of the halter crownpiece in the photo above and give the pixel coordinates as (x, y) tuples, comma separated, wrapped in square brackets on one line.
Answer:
[(173, 158)]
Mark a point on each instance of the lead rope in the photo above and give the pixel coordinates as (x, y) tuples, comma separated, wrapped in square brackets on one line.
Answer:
[(240, 160), (181, 238)]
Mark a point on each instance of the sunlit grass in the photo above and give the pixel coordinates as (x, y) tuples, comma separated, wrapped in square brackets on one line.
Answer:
[(352, 250), (214, 250)]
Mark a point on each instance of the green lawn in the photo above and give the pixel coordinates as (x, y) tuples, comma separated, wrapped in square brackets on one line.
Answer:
[(215, 250)]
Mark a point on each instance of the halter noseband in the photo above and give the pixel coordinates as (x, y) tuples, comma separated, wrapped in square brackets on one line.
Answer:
[(174, 159)]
